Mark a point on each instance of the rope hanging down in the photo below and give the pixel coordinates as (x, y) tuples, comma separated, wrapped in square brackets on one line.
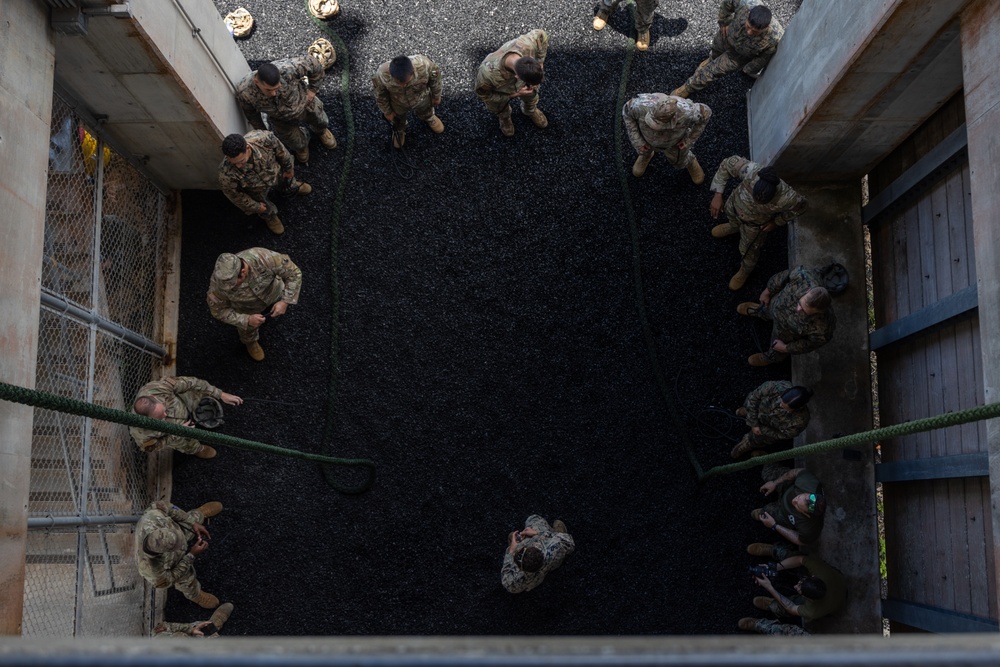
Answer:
[(906, 428), (41, 399)]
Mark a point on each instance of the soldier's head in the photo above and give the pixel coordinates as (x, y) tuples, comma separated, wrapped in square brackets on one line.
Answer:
[(766, 186), (658, 117), (267, 78), (529, 559), (816, 300), (160, 541), (230, 270), (147, 406), (529, 70), (811, 504), (401, 69), (795, 398), (236, 150), (758, 20), (811, 587)]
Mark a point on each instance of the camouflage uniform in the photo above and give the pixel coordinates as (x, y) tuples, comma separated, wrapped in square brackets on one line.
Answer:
[(683, 119), (416, 96), (291, 106), (173, 568), (169, 630), (800, 332), (248, 187), (555, 547), (763, 406), (749, 216), (807, 527), (273, 277), (495, 83), (180, 396), (766, 626), (737, 50), (643, 12)]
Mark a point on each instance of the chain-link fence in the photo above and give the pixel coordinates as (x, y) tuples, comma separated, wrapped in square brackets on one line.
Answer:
[(103, 256)]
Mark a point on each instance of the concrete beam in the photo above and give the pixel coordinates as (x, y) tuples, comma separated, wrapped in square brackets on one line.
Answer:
[(850, 81), (980, 50), (27, 52)]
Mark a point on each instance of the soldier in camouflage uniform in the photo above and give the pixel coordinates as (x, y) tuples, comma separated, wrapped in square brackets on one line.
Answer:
[(760, 202), (286, 91), (821, 590), (747, 38), (167, 540), (534, 552), (247, 283), (656, 122), (797, 514), (253, 165), (643, 19), (774, 411), (408, 83), (800, 311), (174, 399), (515, 70), (767, 626), (168, 630)]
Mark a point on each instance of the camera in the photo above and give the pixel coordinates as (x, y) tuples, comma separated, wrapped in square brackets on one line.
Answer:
[(767, 570)]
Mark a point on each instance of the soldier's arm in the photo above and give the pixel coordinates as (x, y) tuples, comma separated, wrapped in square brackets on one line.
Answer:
[(726, 11), (242, 201), (512, 576), (732, 167), (752, 405), (434, 82), (698, 118), (223, 311), (249, 110), (186, 383), (811, 341), (281, 154), (167, 576), (178, 515), (382, 98), (796, 207), (173, 628), (777, 282), (765, 55), (486, 90), (313, 69), (631, 114), (284, 267), (541, 40)]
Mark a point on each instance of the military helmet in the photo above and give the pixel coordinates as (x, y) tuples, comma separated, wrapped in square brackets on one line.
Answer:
[(323, 51), (834, 278), (227, 268), (208, 414)]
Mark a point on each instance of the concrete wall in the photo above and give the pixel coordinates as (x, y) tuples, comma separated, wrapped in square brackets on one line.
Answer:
[(850, 81), (980, 54), (27, 55)]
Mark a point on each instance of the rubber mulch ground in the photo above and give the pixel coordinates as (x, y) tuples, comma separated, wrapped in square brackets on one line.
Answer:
[(490, 354)]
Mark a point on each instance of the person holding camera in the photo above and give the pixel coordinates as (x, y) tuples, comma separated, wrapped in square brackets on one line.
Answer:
[(819, 592), (774, 411), (797, 515), (533, 552)]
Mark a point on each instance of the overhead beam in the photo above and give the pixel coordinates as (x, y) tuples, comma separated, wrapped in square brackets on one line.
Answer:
[(933, 619), (953, 305), (938, 467)]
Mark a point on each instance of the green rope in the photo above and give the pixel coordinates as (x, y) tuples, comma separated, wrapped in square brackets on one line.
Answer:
[(875, 435), (41, 399), (640, 294)]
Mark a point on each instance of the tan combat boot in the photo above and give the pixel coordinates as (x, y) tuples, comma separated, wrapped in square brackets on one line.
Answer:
[(206, 452), (506, 126), (559, 526), (304, 188), (274, 224), (210, 509), (761, 550), (221, 615), (206, 600), (755, 514), (747, 624), (398, 138), (739, 280), (601, 19), (741, 448), (741, 412), (538, 118), (681, 91), (724, 230), (255, 351), (303, 155), (642, 40), (758, 360), (762, 602), (437, 127), (641, 162), (327, 139), (748, 308), (696, 172)]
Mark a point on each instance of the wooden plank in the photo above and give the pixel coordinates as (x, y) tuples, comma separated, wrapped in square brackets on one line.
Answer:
[(952, 306), (939, 467), (934, 619), (959, 225)]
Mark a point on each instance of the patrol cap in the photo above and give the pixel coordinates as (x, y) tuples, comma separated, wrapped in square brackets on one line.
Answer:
[(227, 267), (161, 541), (656, 118)]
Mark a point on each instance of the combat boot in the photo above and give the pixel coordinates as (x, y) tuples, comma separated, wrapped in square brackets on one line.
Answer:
[(274, 224), (304, 188), (206, 452), (762, 602), (741, 412), (681, 91), (398, 138), (538, 118), (741, 448), (642, 40), (755, 514), (758, 360), (747, 624), (761, 550), (696, 172), (739, 279), (641, 162), (748, 308), (303, 155), (724, 230), (210, 509), (255, 351), (559, 526), (507, 126), (437, 127), (221, 615), (601, 19), (327, 139), (206, 600)]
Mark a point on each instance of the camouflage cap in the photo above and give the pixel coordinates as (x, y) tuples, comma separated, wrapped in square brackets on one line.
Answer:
[(659, 117), (162, 540), (227, 268)]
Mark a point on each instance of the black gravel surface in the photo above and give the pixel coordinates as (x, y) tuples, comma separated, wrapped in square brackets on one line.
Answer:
[(489, 352)]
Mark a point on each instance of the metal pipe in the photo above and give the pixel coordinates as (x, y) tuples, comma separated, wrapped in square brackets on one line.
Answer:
[(196, 32), (49, 521), (61, 305)]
